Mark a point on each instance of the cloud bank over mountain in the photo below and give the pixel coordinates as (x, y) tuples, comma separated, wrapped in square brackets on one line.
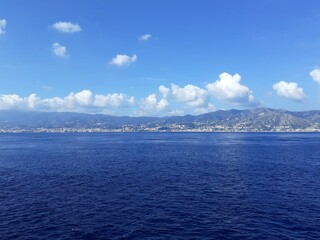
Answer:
[(166, 101)]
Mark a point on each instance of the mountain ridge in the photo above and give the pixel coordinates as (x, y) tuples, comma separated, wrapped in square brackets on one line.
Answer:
[(233, 120)]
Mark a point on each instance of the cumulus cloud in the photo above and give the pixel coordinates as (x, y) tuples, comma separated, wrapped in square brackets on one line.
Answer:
[(228, 88), (33, 101), (83, 98), (164, 91), (66, 27), (121, 60), (114, 100), (10, 101), (191, 95), (191, 98), (289, 90), (84, 101), (3, 24), (151, 104), (145, 37), (315, 75), (59, 50), (168, 100)]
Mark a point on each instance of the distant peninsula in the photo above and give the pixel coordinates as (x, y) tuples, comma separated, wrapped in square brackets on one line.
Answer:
[(249, 120)]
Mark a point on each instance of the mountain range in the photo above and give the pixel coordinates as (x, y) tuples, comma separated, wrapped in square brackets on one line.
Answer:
[(249, 120)]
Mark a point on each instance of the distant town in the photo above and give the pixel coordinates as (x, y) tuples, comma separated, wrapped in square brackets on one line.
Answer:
[(176, 128), (251, 120)]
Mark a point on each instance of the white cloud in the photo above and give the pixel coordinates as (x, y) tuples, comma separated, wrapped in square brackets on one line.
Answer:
[(54, 104), (16, 102), (10, 101), (289, 90), (113, 100), (166, 101), (191, 98), (84, 101), (83, 98), (59, 50), (145, 37), (151, 104), (164, 91), (66, 27), (121, 60), (228, 88), (208, 108), (176, 112), (315, 75), (191, 95), (33, 101), (3, 24)]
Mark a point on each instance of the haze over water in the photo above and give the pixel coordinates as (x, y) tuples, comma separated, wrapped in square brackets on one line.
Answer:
[(160, 186)]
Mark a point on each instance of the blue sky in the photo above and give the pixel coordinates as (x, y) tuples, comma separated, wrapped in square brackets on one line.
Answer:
[(159, 57)]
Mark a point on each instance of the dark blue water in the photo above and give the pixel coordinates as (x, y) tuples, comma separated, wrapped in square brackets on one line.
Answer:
[(160, 186)]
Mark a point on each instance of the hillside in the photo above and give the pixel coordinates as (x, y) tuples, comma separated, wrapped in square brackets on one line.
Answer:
[(259, 119)]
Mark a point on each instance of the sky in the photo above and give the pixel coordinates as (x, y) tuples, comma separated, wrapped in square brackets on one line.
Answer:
[(159, 57)]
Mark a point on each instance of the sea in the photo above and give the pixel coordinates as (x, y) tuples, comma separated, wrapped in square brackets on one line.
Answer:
[(160, 186)]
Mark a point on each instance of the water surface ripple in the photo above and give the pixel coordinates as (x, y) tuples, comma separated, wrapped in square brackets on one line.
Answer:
[(160, 186)]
